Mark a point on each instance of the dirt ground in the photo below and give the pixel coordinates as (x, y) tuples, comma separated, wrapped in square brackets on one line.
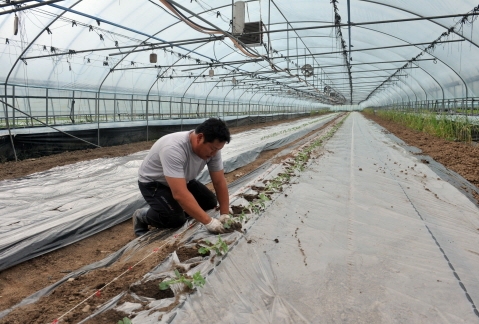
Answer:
[(24, 279)]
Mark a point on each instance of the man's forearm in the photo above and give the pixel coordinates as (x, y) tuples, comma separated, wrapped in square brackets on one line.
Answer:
[(223, 197)]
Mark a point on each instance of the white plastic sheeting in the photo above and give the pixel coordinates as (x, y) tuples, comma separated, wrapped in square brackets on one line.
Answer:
[(367, 234), (51, 209)]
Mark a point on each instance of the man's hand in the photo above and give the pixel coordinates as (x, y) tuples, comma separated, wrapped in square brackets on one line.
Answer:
[(223, 218), (215, 226)]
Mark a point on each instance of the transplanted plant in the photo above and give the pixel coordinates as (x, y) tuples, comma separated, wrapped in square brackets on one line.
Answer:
[(235, 219), (260, 204), (125, 320), (220, 247), (197, 281)]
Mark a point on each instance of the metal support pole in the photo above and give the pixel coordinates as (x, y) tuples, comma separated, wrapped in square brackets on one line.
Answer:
[(131, 108), (46, 107), (97, 113), (287, 44), (349, 28), (72, 109), (147, 98), (13, 104)]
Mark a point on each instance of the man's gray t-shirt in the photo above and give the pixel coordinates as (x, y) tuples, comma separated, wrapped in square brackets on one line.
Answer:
[(173, 156)]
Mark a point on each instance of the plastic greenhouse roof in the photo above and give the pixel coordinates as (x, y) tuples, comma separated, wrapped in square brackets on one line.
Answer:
[(391, 51)]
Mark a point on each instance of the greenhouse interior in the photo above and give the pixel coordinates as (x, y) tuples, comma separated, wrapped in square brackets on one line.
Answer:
[(352, 170)]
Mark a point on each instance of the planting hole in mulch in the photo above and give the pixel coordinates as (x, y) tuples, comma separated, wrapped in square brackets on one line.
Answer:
[(250, 197), (109, 316), (237, 210), (257, 188), (151, 289), (189, 252), (235, 226)]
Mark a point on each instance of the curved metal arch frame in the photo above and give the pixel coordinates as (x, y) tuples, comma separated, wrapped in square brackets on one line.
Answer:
[(409, 75), (15, 64), (156, 82), (439, 84), (196, 15), (404, 82), (430, 20), (299, 37), (460, 77), (377, 56), (418, 15), (175, 62), (160, 31), (178, 60), (438, 59), (418, 67)]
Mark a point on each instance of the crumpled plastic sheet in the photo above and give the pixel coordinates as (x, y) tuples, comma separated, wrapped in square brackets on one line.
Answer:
[(124, 252), (187, 236), (155, 312), (48, 210), (366, 234), (236, 189)]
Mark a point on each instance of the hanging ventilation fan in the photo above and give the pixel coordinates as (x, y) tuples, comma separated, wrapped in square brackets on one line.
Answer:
[(307, 70)]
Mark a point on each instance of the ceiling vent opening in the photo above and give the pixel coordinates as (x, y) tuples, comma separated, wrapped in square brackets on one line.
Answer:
[(252, 34)]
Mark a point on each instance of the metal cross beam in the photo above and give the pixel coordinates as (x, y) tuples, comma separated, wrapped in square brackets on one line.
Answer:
[(361, 23), (366, 49)]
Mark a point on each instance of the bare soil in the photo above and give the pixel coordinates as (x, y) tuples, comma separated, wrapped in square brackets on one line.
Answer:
[(28, 277)]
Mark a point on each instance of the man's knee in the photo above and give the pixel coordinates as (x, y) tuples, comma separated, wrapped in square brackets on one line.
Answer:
[(162, 220)]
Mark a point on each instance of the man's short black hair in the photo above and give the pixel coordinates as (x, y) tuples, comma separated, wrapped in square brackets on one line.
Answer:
[(212, 129)]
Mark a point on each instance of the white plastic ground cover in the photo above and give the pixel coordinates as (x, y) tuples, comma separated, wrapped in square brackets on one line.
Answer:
[(165, 309), (51, 209), (183, 235), (368, 234)]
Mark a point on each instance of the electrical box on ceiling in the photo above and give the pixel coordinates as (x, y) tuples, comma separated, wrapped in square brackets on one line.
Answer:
[(238, 17), (249, 33)]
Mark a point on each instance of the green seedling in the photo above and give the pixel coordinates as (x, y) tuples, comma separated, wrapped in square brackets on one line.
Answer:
[(263, 199), (197, 281), (125, 320), (220, 247), (235, 219)]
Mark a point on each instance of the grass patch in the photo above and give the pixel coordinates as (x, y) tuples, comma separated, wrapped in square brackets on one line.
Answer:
[(449, 127)]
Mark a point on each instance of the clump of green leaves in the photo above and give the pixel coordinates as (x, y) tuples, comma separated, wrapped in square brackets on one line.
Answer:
[(197, 281), (125, 320), (236, 219), (220, 247), (230, 221)]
